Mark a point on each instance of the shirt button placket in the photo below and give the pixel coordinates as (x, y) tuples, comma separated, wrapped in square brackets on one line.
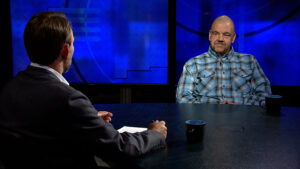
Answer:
[(223, 81)]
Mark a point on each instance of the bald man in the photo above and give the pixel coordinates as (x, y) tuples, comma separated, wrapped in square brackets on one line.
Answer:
[(221, 75)]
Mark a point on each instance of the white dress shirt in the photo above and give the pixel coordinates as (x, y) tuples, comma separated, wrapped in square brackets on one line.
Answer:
[(58, 75)]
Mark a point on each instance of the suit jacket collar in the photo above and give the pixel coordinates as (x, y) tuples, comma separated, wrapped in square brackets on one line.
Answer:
[(37, 70)]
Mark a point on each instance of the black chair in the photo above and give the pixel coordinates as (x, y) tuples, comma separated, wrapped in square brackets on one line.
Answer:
[(11, 145), (20, 152)]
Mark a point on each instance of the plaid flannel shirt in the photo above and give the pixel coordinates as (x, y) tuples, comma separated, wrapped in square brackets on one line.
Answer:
[(210, 78)]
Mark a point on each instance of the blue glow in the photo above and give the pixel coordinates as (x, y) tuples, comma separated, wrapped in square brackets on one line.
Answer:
[(267, 29), (116, 41)]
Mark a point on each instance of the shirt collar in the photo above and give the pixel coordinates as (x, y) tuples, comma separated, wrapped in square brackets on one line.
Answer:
[(227, 56), (58, 75)]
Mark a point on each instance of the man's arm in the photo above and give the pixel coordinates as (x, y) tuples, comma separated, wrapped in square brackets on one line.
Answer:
[(185, 88), (90, 129), (261, 86)]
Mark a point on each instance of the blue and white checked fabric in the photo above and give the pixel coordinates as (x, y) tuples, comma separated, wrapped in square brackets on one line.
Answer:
[(210, 78)]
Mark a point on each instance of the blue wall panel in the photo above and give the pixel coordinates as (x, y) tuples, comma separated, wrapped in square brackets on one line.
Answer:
[(116, 41)]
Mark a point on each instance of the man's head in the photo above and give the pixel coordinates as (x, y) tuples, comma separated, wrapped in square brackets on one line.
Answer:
[(48, 36), (222, 35)]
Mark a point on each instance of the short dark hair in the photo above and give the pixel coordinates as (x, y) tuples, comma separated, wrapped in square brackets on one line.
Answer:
[(44, 36)]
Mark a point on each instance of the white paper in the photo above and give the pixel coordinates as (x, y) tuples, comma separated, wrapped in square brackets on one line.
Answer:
[(131, 129)]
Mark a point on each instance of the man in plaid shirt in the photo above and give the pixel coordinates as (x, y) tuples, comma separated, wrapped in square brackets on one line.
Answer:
[(222, 75)]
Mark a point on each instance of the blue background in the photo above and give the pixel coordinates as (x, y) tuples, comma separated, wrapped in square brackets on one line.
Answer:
[(126, 41), (116, 41), (267, 29)]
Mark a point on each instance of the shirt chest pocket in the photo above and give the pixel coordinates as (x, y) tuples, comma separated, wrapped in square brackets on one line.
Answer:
[(241, 79), (206, 79)]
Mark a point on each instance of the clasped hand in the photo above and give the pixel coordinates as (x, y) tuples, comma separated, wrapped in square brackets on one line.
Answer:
[(159, 126), (106, 116), (226, 102)]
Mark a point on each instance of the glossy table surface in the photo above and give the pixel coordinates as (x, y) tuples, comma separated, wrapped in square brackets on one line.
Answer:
[(236, 136)]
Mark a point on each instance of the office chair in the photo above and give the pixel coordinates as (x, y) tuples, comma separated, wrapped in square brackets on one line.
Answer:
[(20, 152), (11, 146)]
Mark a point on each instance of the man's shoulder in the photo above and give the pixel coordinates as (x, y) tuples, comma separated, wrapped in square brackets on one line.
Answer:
[(40, 82), (243, 55), (197, 59), (64, 89)]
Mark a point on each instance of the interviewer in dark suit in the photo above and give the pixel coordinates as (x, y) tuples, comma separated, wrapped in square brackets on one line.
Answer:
[(40, 104)]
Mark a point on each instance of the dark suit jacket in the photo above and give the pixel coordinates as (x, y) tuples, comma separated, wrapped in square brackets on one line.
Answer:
[(62, 123)]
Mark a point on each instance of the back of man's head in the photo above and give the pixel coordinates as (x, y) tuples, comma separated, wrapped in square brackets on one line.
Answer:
[(44, 36)]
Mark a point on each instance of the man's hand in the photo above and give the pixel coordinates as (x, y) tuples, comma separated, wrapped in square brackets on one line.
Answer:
[(226, 102), (159, 126), (106, 116)]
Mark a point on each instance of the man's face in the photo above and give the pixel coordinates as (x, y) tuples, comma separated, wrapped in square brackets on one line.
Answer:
[(68, 62), (221, 36)]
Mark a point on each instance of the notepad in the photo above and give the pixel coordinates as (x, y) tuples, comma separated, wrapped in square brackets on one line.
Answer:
[(130, 129)]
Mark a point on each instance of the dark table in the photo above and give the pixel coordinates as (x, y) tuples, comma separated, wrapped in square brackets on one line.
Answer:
[(236, 136)]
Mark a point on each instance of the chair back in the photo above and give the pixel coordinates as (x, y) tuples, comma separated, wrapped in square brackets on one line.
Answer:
[(11, 148), (18, 151)]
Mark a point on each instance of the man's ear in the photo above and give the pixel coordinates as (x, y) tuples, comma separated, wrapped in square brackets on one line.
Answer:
[(233, 39), (65, 52)]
